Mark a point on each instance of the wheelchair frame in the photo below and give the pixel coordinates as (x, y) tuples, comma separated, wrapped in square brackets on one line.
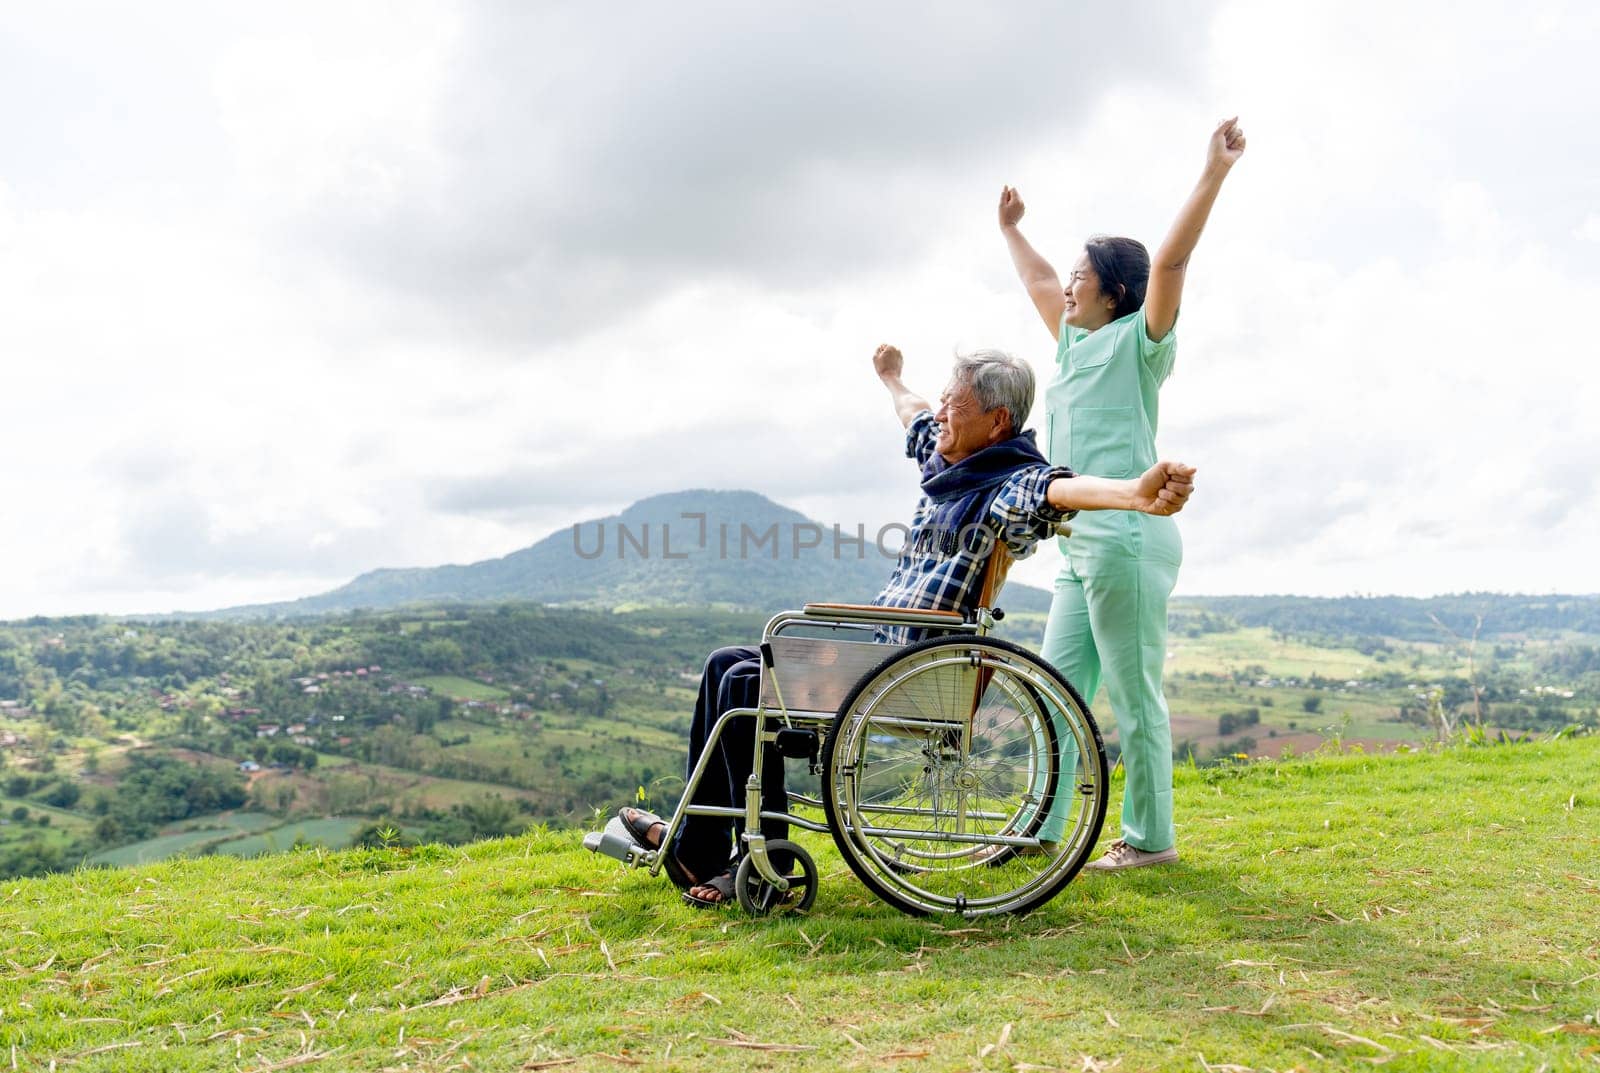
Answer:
[(926, 841)]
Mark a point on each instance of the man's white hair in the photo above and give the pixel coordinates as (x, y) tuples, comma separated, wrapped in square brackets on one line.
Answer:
[(998, 379)]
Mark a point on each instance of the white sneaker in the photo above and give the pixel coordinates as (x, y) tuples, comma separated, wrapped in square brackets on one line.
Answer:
[(1119, 856)]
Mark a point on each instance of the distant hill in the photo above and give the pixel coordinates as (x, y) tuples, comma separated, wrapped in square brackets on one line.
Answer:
[(1433, 618), (693, 548)]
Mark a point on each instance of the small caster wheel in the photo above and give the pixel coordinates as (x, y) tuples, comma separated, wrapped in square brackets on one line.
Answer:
[(759, 897)]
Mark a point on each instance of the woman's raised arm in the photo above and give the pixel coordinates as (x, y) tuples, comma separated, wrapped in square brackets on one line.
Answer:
[(1171, 261), (1038, 278)]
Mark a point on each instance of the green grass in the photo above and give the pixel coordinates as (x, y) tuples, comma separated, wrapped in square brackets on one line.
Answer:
[(1430, 911)]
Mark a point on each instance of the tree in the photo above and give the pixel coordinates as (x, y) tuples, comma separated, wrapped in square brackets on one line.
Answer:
[(487, 817), (441, 654), (61, 794), (1312, 704)]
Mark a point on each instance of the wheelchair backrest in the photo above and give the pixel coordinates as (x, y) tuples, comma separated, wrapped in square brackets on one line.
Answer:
[(815, 674), (994, 575)]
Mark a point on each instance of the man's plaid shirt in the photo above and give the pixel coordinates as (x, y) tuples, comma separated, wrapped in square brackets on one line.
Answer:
[(945, 574)]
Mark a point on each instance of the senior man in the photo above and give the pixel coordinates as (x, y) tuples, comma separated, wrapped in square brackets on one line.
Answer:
[(984, 485)]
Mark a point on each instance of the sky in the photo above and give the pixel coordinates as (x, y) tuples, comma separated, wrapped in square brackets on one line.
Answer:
[(290, 292)]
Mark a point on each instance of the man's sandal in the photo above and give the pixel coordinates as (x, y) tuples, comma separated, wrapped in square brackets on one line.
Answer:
[(722, 884), (640, 824)]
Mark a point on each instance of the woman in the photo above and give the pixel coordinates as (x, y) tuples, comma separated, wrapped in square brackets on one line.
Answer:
[(1113, 325)]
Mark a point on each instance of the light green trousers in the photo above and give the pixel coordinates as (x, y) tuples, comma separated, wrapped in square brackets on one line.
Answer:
[(1108, 622)]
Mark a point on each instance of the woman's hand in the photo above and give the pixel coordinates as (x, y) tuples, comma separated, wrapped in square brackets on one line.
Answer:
[(1171, 262), (1227, 144), (1163, 488), (1011, 207)]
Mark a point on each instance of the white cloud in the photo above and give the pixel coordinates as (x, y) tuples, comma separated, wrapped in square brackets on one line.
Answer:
[(348, 111), (290, 297)]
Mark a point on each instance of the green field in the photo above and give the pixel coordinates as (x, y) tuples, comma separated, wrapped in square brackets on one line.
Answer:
[(1237, 650), (447, 685), (63, 827), (246, 821), (243, 834), (160, 848), (332, 833), (399, 790), (1427, 912)]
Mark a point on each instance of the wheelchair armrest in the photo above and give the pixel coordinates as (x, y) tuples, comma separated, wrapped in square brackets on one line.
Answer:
[(877, 611)]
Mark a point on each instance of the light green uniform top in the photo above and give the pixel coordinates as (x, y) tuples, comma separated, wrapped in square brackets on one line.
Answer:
[(1101, 413)]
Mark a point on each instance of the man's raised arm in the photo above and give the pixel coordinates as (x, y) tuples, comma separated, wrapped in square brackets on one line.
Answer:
[(888, 363), (1162, 489)]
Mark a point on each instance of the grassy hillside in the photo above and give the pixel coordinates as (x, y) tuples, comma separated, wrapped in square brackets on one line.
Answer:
[(1430, 910)]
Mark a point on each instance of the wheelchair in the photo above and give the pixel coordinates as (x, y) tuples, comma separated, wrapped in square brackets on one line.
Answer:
[(959, 774)]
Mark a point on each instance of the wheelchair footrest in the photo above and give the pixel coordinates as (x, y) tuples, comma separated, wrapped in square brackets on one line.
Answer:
[(614, 841)]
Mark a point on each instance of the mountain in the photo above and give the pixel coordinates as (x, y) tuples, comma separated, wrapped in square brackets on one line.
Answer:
[(735, 549)]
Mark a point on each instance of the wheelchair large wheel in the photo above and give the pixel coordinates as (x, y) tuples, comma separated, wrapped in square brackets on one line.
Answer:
[(946, 766)]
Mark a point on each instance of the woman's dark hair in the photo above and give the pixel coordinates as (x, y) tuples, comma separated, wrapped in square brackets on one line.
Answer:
[(1123, 265)]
